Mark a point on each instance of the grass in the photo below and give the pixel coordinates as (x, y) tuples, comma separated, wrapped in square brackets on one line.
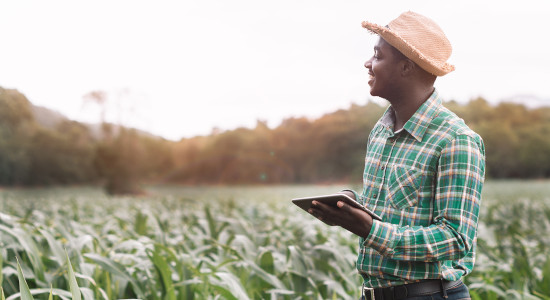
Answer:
[(236, 243)]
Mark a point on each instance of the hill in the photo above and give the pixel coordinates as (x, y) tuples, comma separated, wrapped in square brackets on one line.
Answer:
[(46, 117)]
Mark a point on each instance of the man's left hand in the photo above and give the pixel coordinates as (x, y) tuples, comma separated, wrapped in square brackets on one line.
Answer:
[(352, 219)]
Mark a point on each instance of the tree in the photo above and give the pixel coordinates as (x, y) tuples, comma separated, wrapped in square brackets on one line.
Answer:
[(117, 155), (117, 161), (16, 129), (62, 156)]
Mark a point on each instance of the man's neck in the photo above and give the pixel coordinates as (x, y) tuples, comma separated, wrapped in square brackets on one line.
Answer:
[(407, 105)]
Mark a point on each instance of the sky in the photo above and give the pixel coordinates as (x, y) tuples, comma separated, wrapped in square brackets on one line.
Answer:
[(179, 69)]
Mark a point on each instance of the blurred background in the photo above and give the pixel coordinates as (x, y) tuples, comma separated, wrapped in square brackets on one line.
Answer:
[(201, 119), (127, 92)]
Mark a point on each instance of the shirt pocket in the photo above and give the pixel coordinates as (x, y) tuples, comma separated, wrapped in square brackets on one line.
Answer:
[(403, 186)]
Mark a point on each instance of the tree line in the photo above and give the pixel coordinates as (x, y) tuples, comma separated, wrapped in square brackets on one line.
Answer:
[(299, 150)]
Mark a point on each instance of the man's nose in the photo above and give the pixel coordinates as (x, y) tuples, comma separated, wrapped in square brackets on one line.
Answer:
[(368, 64)]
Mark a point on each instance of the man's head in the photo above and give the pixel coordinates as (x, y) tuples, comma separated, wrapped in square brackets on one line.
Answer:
[(392, 74), (419, 39)]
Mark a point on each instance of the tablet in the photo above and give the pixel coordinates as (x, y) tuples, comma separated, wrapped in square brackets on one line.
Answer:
[(305, 203)]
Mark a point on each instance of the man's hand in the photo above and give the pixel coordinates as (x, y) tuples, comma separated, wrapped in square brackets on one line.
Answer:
[(352, 219), (349, 194)]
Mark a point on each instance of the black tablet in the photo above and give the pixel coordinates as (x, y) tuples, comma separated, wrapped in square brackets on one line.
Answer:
[(305, 203)]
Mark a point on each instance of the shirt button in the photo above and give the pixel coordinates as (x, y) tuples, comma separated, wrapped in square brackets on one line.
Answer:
[(383, 168), (375, 196)]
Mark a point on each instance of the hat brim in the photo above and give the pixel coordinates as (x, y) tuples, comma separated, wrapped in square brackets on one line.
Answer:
[(430, 65)]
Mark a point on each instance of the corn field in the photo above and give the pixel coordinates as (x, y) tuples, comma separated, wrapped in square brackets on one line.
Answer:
[(235, 243)]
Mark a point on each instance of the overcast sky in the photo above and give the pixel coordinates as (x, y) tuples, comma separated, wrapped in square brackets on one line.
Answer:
[(180, 68)]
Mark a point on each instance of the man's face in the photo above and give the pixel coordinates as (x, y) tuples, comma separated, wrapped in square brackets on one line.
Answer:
[(384, 70)]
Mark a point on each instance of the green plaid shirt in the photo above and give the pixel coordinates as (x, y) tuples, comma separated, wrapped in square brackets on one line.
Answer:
[(425, 182)]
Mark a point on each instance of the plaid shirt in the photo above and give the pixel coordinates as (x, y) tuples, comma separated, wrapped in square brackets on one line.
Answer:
[(425, 182)]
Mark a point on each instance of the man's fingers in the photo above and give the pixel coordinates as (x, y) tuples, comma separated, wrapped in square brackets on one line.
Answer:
[(331, 215), (343, 206)]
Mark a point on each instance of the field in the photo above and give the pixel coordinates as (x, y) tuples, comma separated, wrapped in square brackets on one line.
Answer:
[(237, 243)]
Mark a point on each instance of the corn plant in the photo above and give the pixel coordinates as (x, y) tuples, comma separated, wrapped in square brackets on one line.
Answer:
[(235, 243)]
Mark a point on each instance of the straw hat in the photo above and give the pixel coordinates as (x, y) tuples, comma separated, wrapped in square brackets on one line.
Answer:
[(418, 38)]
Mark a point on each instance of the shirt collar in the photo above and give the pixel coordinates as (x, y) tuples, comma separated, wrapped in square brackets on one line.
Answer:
[(420, 120)]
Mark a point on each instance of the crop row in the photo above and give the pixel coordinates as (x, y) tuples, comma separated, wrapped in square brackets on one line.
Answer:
[(232, 243)]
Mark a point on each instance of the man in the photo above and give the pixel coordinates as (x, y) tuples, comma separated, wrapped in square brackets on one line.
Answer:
[(424, 172)]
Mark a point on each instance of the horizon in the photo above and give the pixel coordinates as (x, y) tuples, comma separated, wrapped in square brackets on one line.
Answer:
[(533, 103), (180, 69)]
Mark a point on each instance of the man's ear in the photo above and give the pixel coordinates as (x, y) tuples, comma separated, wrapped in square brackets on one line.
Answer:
[(407, 67)]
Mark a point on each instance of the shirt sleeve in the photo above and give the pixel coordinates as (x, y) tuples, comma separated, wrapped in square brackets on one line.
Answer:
[(457, 199)]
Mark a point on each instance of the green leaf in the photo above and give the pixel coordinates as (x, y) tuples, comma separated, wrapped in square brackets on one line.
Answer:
[(75, 290), (116, 269), (1, 273), (140, 224), (55, 247), (23, 287), (544, 284), (87, 293), (489, 288), (229, 286), (214, 230), (475, 295), (26, 241), (298, 260), (165, 273), (268, 278), (62, 294), (266, 262)]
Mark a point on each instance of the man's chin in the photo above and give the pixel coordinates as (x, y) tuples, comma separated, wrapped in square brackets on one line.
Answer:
[(373, 92)]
